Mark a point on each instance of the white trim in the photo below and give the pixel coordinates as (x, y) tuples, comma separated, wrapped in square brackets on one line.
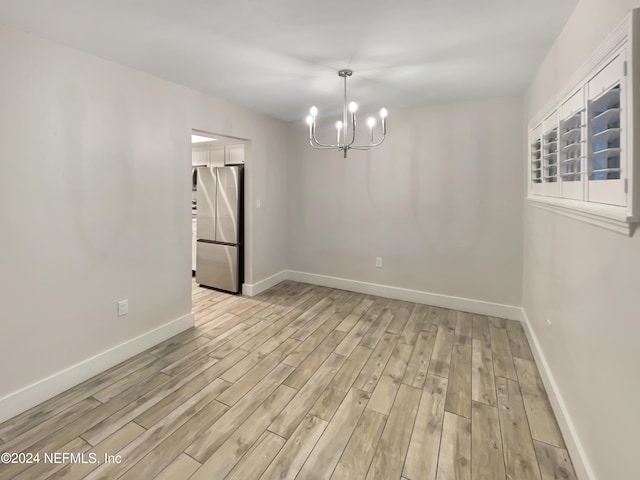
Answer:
[(36, 393), (611, 44), (253, 289), (427, 298), (612, 218), (571, 439)]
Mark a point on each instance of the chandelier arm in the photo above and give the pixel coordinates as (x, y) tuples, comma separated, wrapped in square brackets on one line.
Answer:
[(366, 147), (324, 145), (353, 124), (321, 146)]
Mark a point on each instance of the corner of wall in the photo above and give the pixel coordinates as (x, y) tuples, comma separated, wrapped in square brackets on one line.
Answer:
[(574, 445)]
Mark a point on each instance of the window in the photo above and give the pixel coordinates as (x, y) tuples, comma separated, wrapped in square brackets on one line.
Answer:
[(581, 160)]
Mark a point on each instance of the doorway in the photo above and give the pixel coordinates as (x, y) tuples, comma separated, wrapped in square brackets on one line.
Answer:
[(217, 211)]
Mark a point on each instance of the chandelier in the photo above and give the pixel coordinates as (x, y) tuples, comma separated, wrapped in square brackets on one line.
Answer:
[(346, 136)]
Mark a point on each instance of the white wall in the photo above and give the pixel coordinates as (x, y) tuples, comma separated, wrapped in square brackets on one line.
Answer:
[(437, 201), (586, 280), (95, 203)]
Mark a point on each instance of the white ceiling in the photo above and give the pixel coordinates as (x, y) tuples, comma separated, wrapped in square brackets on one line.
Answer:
[(281, 56)]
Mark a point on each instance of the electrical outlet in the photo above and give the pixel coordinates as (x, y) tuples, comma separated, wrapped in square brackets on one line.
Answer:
[(123, 308), (258, 204), (378, 262)]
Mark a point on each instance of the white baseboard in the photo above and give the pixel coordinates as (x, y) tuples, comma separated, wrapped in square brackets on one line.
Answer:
[(571, 439), (253, 289), (437, 300), (36, 393)]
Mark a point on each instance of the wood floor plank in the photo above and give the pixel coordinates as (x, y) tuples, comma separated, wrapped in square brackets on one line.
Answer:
[(501, 352), (481, 330), (371, 372), (110, 445), (205, 444), (172, 401), (258, 458), (306, 330), (385, 392), (498, 322), (258, 355), (554, 462), (518, 341), (152, 437), (402, 311), (454, 461), (418, 366), (542, 422), (459, 389), (217, 341), (422, 456), (286, 422), (249, 380), (323, 305), (326, 454), (222, 461), (377, 329), (296, 357), (487, 461), (441, 357), (134, 396), (519, 455), (464, 329), (226, 348), (182, 467), (357, 455), (52, 424), (414, 324), (185, 367), (435, 317), (392, 448), (354, 316), (330, 399), (169, 449), (198, 342), (291, 457), (38, 414), (107, 426), (43, 469), (483, 387), (308, 367), (360, 330)]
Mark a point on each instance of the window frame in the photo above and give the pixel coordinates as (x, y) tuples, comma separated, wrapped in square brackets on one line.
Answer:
[(610, 203)]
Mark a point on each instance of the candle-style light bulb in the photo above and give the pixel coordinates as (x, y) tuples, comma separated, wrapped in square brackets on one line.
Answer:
[(313, 111), (372, 123), (383, 116), (353, 107), (309, 121)]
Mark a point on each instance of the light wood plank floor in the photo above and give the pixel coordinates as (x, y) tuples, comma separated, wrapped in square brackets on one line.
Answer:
[(307, 382)]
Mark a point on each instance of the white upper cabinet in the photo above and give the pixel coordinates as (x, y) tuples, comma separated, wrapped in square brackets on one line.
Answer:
[(581, 147), (200, 158), (218, 155), (234, 154)]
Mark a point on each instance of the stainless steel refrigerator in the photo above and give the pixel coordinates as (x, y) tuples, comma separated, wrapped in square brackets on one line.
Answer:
[(219, 258)]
